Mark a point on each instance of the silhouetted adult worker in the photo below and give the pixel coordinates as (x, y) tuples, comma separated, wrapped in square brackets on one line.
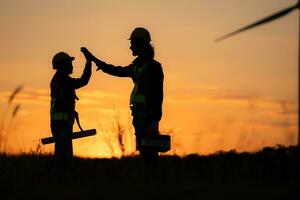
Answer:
[(62, 111), (147, 95)]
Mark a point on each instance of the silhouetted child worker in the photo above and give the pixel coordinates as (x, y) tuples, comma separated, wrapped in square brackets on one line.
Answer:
[(62, 112), (147, 95)]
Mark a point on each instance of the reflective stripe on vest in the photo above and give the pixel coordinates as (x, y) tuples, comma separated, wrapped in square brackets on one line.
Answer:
[(61, 116), (53, 100), (135, 97), (58, 115)]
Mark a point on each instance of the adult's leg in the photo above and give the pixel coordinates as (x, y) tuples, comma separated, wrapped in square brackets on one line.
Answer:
[(149, 156)]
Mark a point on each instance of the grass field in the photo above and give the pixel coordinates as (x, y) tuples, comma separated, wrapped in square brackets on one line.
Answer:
[(272, 173)]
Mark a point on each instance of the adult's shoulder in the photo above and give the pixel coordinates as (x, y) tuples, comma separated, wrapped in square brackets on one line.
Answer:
[(156, 67), (155, 63)]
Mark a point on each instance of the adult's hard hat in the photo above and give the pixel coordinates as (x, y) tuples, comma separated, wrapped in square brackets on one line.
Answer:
[(140, 33), (59, 58)]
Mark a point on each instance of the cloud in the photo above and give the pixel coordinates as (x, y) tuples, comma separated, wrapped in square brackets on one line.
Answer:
[(235, 99), (96, 97), (28, 96), (288, 108), (236, 96), (42, 96)]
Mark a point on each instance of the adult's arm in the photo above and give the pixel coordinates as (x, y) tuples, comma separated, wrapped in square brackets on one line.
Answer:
[(108, 68), (114, 70)]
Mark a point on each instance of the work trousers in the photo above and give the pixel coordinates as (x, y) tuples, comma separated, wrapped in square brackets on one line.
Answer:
[(63, 151), (144, 127)]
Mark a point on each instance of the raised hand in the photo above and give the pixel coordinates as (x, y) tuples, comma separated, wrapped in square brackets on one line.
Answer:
[(87, 54)]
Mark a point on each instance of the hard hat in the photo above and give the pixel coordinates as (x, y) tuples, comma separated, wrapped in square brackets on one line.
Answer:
[(60, 57), (140, 33)]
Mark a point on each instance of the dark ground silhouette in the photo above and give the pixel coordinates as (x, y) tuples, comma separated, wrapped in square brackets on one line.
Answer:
[(272, 173)]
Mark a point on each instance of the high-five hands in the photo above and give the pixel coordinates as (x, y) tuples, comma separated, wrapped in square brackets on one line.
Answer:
[(90, 57), (87, 54)]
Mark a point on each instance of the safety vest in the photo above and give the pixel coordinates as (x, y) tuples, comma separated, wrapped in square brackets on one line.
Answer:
[(136, 96), (55, 115)]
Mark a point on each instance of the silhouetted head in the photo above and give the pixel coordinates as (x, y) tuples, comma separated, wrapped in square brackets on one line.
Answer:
[(140, 42), (63, 62), (140, 33)]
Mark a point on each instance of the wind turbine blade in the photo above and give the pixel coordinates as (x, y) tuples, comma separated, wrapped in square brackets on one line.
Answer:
[(260, 22)]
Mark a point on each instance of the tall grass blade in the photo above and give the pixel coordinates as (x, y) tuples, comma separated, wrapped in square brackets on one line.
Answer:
[(13, 95)]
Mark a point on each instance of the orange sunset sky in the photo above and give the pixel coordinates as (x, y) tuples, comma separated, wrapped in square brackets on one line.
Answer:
[(238, 94)]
